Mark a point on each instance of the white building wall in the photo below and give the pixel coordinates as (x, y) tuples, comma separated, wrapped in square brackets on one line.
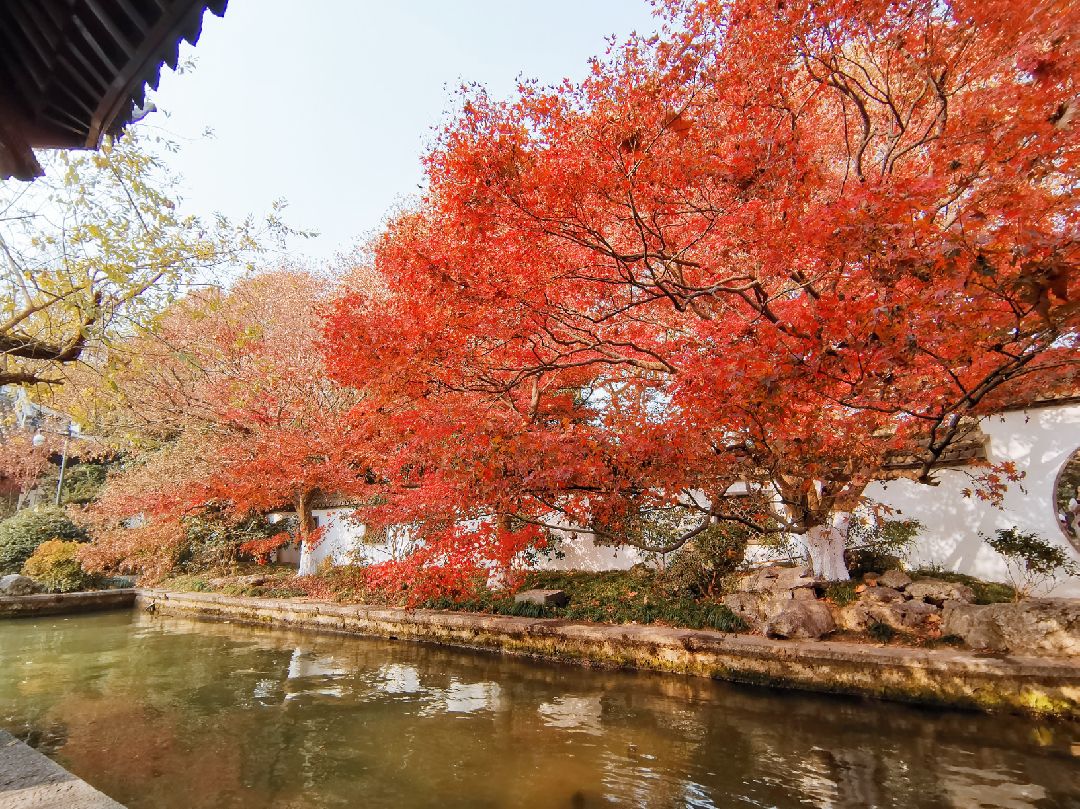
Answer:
[(342, 535), (579, 552), (1040, 442), (343, 543)]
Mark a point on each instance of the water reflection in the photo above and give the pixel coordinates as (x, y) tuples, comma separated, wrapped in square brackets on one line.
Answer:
[(394, 678), (573, 713), (168, 713)]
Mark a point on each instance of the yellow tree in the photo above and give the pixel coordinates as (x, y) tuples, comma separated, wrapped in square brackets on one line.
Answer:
[(95, 249)]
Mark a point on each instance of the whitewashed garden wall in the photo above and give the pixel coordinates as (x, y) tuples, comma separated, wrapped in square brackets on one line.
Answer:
[(1039, 440)]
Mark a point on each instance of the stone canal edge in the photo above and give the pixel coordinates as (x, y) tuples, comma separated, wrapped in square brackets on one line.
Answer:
[(30, 780), (1045, 687)]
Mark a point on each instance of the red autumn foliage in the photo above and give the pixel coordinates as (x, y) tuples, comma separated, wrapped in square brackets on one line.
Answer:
[(21, 463), (261, 549), (232, 388), (774, 245)]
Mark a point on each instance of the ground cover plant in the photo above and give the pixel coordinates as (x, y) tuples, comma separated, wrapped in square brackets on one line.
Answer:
[(986, 592)]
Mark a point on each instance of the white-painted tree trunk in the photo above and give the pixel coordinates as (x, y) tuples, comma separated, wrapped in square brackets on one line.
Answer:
[(825, 546), (307, 561)]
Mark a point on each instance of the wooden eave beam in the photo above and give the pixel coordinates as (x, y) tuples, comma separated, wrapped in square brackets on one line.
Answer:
[(148, 57)]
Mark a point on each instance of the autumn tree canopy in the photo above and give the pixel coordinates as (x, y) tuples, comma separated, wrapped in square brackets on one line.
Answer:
[(228, 405), (765, 249)]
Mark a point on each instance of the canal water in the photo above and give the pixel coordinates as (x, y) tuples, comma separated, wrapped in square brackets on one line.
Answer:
[(162, 713)]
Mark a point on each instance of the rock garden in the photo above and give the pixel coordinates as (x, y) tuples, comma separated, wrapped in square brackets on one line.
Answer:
[(788, 602)]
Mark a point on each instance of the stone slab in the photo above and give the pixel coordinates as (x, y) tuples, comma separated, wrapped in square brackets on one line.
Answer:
[(64, 603), (1029, 685), (544, 598), (30, 780)]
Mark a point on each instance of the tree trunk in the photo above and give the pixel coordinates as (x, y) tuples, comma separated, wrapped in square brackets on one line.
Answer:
[(825, 546), (306, 529)]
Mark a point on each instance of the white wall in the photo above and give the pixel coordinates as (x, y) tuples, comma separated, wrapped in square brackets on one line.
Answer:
[(343, 542), (341, 537), (579, 552), (1040, 441)]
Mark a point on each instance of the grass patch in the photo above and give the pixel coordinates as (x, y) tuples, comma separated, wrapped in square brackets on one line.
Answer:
[(611, 597), (527, 609), (842, 593), (951, 641), (186, 583)]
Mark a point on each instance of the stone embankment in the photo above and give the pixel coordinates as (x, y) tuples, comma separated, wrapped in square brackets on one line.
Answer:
[(985, 681), (29, 606), (29, 780)]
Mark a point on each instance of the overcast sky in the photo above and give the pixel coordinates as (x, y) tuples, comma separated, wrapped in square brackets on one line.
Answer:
[(331, 103)]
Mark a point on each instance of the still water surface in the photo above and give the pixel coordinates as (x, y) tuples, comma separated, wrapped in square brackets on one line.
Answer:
[(162, 713)]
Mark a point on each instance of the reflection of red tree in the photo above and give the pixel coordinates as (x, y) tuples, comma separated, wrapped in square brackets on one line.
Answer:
[(130, 751)]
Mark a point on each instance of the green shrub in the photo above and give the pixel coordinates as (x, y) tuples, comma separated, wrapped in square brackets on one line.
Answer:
[(841, 593), (1033, 563), (702, 564), (21, 534), (55, 565), (83, 482), (213, 541), (875, 545), (861, 561)]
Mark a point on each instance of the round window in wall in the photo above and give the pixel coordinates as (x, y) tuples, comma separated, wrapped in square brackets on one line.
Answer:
[(1067, 499)]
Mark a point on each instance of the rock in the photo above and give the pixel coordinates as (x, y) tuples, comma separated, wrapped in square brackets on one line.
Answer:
[(915, 613), (256, 580), (748, 606), (857, 617), (545, 598), (938, 592), (16, 585), (747, 584), (800, 619), (896, 579), (853, 617), (881, 595), (871, 579), (759, 581), (1040, 626), (789, 578), (776, 580), (902, 615)]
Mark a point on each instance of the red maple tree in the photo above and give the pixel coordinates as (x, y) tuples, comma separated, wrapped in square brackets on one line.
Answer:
[(767, 249), (232, 408)]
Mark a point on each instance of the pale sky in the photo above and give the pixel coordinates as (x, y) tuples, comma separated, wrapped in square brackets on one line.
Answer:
[(331, 103)]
